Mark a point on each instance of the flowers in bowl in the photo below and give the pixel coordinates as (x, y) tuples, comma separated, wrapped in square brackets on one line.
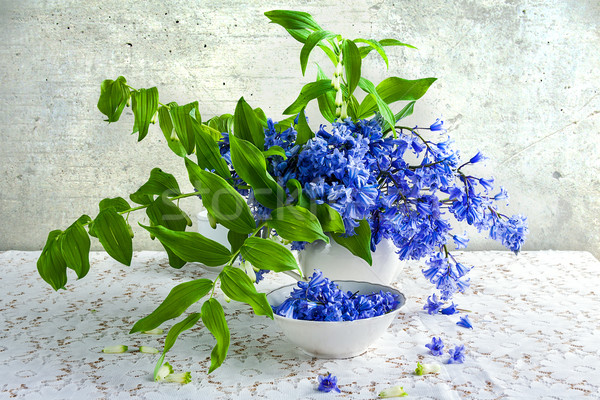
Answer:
[(361, 178)]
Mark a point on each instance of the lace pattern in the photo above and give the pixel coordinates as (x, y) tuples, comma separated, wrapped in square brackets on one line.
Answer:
[(536, 335)]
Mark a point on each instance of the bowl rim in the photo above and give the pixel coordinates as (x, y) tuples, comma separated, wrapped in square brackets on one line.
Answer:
[(362, 320)]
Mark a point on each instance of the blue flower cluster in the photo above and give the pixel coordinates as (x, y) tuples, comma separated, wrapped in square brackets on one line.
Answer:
[(436, 348), (320, 299), (407, 186)]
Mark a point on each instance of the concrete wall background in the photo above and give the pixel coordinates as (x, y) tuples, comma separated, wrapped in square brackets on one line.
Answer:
[(518, 79)]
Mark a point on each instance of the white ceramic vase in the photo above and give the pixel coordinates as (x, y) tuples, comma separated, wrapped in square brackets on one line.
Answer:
[(337, 263)]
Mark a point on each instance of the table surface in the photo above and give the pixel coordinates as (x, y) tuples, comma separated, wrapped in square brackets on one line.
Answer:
[(535, 316)]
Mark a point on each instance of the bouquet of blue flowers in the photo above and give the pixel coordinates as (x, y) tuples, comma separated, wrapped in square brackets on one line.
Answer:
[(361, 178)]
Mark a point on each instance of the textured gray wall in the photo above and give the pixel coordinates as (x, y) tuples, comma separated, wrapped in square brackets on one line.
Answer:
[(518, 80)]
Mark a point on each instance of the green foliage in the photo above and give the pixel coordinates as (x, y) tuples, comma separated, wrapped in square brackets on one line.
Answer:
[(113, 98), (304, 131), (172, 336), (296, 223), (159, 183), (309, 92), (330, 219), (266, 254), (247, 125), (207, 151), (352, 65), (114, 235), (185, 121), (213, 318), (164, 212), (311, 41), (391, 90), (178, 300), (191, 246), (360, 243), (51, 265), (75, 247), (144, 104), (293, 19), (238, 286), (249, 162)]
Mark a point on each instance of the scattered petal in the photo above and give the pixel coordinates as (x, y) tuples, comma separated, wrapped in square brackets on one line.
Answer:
[(423, 369), (464, 322), (394, 391), (450, 310), (164, 371), (457, 355), (148, 350), (183, 378), (327, 383), (114, 349), (155, 331), (436, 347)]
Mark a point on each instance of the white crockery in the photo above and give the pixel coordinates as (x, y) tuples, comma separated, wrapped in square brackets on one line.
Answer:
[(343, 339)]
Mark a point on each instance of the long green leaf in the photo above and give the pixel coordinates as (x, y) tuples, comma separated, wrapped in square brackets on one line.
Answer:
[(250, 164), (384, 109), (326, 101), (304, 131), (178, 300), (113, 233), (144, 104), (236, 240), (183, 118), (113, 98), (360, 243), (293, 19), (364, 51), (296, 223), (238, 286), (312, 40), (394, 89), (118, 203), (164, 212), (207, 151), (330, 219), (247, 125), (75, 247), (51, 265), (352, 64), (213, 318), (159, 183), (266, 254), (309, 92), (227, 206), (191, 246), (372, 45), (166, 126)]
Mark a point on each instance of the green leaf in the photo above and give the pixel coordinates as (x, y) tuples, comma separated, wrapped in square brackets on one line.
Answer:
[(207, 151), (394, 42), (266, 254), (296, 223), (227, 206), (51, 265), (275, 151), (172, 336), (384, 109), (261, 116), (113, 233), (299, 34), (118, 203), (327, 100), (304, 131), (360, 243), (312, 40), (330, 53), (238, 286), (406, 111), (250, 165), (394, 89), (159, 183), (144, 104), (247, 126), (373, 45), (213, 318), (191, 246), (178, 300), (236, 240), (166, 126), (113, 98), (75, 247), (293, 19), (183, 119), (164, 212), (295, 189), (309, 92), (352, 64), (330, 219)]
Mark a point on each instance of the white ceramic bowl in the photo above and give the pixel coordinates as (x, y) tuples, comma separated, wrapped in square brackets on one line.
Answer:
[(343, 339)]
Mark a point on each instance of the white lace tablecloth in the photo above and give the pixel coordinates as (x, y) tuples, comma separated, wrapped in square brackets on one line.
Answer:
[(536, 336)]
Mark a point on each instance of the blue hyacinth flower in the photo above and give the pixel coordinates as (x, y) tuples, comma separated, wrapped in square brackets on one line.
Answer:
[(464, 322), (327, 383), (436, 347), (457, 355)]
